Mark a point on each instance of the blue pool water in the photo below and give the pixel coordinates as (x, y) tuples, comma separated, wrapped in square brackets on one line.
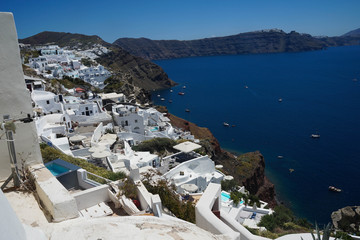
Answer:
[(320, 92), (154, 129), (56, 169), (225, 197)]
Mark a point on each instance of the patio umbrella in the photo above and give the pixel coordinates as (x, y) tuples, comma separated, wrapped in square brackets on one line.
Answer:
[(187, 147), (228, 178), (190, 187)]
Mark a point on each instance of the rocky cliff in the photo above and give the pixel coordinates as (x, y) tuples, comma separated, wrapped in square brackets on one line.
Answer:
[(135, 70), (347, 219), (272, 41), (247, 169)]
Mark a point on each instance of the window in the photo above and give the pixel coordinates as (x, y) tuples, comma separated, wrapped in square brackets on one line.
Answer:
[(83, 113), (47, 102), (136, 121), (86, 108)]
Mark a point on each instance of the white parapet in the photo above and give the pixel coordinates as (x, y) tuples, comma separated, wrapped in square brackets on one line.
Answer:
[(91, 196), (206, 219), (156, 205), (53, 195)]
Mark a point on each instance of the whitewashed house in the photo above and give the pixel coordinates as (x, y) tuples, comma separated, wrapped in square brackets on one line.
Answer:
[(94, 75), (127, 117), (199, 171), (124, 161), (85, 110), (51, 50), (112, 97), (38, 63), (46, 102), (75, 64), (52, 129), (33, 83)]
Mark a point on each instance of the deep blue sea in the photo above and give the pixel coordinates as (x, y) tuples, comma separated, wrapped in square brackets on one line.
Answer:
[(320, 92)]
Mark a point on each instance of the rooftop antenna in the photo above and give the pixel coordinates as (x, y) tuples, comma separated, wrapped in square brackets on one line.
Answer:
[(9, 128)]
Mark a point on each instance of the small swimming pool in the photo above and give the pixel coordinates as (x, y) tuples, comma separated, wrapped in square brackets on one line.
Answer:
[(225, 197), (154, 129), (56, 169)]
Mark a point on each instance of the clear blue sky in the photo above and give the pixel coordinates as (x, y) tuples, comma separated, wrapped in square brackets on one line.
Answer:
[(182, 19)]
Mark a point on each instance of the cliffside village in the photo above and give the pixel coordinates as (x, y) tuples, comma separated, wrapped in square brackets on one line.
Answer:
[(102, 129), (56, 62)]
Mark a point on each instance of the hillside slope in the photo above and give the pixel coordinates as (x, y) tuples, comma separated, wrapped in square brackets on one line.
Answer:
[(353, 33), (64, 39)]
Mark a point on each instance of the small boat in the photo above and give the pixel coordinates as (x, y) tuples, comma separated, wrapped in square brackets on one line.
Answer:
[(171, 90), (158, 95), (187, 110), (170, 101), (162, 99), (280, 99), (291, 170), (316, 135), (184, 86), (280, 157), (181, 93), (246, 86), (233, 125), (226, 124), (334, 189)]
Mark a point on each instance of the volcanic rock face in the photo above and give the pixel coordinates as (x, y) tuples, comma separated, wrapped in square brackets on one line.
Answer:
[(267, 41), (247, 169), (347, 219)]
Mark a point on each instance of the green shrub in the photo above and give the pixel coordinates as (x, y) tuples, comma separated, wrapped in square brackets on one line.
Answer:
[(228, 185), (156, 145), (269, 234), (291, 226), (129, 189), (342, 236), (283, 219), (182, 210), (48, 153), (113, 85), (236, 197), (268, 221)]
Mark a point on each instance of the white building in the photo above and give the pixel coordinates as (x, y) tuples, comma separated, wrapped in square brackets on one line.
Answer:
[(124, 161), (33, 83), (112, 97), (51, 50), (53, 129), (39, 63), (127, 117), (94, 75), (46, 102), (199, 171), (85, 110)]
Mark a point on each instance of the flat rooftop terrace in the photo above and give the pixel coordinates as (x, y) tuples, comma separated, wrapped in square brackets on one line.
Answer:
[(111, 227)]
